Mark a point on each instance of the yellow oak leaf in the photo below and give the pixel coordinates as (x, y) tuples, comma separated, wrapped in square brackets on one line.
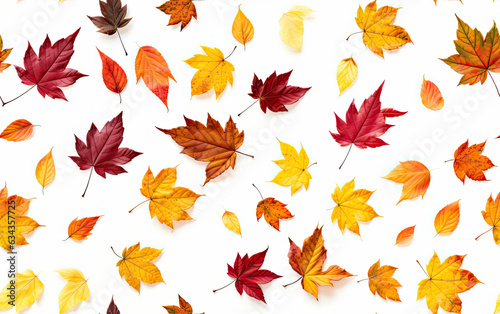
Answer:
[(136, 266), (242, 28), (45, 170), (75, 291), (351, 207), (380, 281), (27, 287), (347, 71), (292, 26), (230, 220), (213, 71), (294, 168)]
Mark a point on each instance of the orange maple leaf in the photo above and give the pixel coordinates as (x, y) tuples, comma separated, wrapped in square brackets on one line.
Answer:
[(469, 162), (415, 178), (380, 281), (181, 11)]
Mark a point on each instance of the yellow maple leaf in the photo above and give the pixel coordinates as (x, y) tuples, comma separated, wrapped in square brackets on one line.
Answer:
[(347, 71), (351, 207), (28, 289), (75, 291), (292, 26), (294, 168), (380, 281), (213, 71), (136, 266), (167, 203)]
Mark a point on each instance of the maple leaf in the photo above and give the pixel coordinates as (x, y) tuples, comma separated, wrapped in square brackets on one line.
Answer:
[(405, 236), (18, 130), (309, 261), (273, 210), (492, 217), (4, 53), (213, 71), (351, 207), (347, 71), (113, 75), (166, 202), (275, 92), (294, 168), (45, 170), (183, 308), (80, 229), (48, 71), (230, 220), (28, 289), (113, 18), (469, 162), (378, 32), (292, 26), (415, 178), (181, 11), (431, 96), (210, 143), (103, 152), (445, 281), (242, 28), (248, 275), (380, 281), (153, 69), (136, 266), (12, 213), (476, 56), (112, 308), (75, 291), (363, 128), (447, 219)]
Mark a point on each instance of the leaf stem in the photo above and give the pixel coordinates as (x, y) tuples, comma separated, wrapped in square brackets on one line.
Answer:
[(363, 280), (258, 190), (138, 205), (224, 286), (310, 165), (88, 182), (483, 233), (423, 269), (244, 154), (239, 114), (115, 253), (231, 53), (6, 102), (449, 160), (346, 157), (498, 92), (353, 34), (289, 284), (119, 36), (120, 95)]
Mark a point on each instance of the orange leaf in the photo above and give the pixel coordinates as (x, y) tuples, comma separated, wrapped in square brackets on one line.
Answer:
[(431, 96), (380, 281), (492, 217), (18, 130), (273, 211), (180, 10), (469, 162), (447, 219), (80, 229), (242, 28), (405, 236), (153, 69), (113, 75), (415, 178)]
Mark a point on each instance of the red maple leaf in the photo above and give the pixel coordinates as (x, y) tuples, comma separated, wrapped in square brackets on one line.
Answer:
[(248, 275), (364, 127), (48, 71), (102, 152), (275, 92)]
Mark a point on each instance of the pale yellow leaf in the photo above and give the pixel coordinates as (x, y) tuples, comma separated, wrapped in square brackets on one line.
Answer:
[(75, 291), (231, 222), (292, 26), (347, 71)]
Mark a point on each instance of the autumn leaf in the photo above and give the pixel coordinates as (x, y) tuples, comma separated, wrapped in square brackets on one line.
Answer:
[(4, 53), (28, 289), (113, 75), (136, 266), (248, 275), (17, 131), (347, 71), (445, 281), (431, 96), (24, 225), (308, 263), (476, 57), (363, 128), (469, 162), (292, 26), (273, 210), (415, 178), (380, 281), (210, 143), (48, 71), (103, 152), (183, 308), (153, 69), (113, 18), (275, 93), (230, 220), (80, 229), (351, 207), (492, 217), (181, 11), (294, 168), (242, 28), (112, 308), (405, 236), (497, 307), (75, 291), (213, 71), (378, 31), (45, 170), (166, 202), (447, 219)]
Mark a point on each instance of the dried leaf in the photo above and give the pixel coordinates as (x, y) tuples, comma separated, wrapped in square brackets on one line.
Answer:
[(292, 26), (4, 53), (273, 210), (181, 11), (380, 281), (469, 162)]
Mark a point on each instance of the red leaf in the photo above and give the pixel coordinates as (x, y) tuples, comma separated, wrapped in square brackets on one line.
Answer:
[(102, 152), (274, 93), (48, 70), (248, 274), (113, 75)]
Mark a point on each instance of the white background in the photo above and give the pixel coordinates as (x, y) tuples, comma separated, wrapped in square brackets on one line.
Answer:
[(195, 254)]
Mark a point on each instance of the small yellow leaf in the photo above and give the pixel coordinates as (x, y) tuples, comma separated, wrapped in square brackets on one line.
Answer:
[(231, 222), (45, 170), (292, 26), (75, 291), (447, 219), (347, 71), (28, 290), (242, 28)]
